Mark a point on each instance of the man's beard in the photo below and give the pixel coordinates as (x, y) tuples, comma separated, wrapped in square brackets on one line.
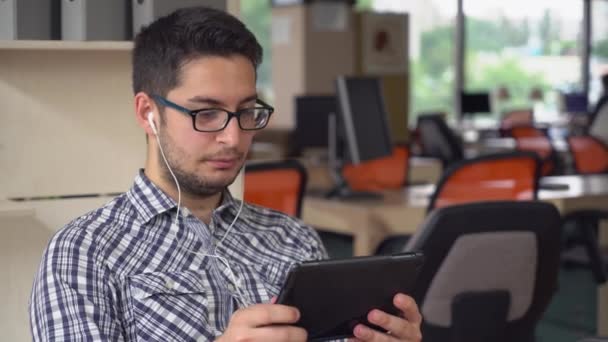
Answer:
[(189, 182)]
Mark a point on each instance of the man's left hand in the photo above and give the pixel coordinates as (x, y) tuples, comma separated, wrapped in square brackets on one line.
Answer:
[(400, 328)]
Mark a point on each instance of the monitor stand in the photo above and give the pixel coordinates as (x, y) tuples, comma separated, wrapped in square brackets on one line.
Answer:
[(344, 192), (341, 191)]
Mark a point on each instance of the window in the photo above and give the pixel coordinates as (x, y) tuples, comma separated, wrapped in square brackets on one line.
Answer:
[(516, 47), (256, 15), (599, 48), (431, 45)]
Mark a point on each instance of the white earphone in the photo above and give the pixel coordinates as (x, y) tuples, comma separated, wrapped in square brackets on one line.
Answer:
[(240, 295), (151, 122)]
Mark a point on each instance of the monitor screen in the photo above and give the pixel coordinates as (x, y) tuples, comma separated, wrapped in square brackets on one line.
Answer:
[(312, 113), (576, 103), (472, 103), (363, 118)]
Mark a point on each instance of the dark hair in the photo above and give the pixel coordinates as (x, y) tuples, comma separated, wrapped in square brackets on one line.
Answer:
[(163, 47)]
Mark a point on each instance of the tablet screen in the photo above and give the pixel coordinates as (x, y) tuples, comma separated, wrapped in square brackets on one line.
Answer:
[(333, 296)]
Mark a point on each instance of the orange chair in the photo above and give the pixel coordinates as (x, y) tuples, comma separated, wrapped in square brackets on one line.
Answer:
[(506, 176), (277, 185), (380, 174), (514, 118), (529, 138), (590, 154)]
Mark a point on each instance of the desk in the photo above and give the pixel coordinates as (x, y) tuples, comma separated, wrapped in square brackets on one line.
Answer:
[(401, 212)]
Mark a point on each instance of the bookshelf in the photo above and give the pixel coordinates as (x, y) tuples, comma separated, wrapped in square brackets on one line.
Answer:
[(68, 123), (63, 45)]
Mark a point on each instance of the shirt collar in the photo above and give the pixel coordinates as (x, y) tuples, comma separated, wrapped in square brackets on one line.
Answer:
[(150, 201)]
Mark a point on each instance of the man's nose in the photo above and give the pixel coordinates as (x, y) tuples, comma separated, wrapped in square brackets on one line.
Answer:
[(231, 134)]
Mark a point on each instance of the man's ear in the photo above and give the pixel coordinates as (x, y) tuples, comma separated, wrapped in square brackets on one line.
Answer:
[(144, 105)]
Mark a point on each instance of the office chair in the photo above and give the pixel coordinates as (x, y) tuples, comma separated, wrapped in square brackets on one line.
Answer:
[(518, 117), (380, 174), (490, 270), (504, 176), (590, 156), (438, 140), (530, 138), (277, 185)]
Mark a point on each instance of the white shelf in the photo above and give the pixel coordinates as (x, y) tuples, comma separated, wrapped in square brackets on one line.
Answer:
[(65, 45)]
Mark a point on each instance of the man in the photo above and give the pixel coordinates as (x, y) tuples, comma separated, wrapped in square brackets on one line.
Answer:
[(176, 258)]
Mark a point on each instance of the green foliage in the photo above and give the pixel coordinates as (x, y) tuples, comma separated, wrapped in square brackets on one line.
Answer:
[(506, 72), (256, 15), (437, 47), (364, 5), (600, 49)]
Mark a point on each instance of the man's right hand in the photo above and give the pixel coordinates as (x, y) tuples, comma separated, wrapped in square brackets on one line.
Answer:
[(264, 322)]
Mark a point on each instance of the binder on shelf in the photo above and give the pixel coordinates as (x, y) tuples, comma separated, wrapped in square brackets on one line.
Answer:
[(95, 20), (25, 19), (146, 11)]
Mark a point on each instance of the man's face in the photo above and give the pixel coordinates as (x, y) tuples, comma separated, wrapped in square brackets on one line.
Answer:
[(206, 162)]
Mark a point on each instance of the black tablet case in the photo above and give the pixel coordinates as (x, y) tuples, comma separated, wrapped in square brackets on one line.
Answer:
[(333, 296)]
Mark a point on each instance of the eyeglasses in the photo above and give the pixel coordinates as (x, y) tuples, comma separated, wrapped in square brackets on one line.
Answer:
[(216, 119)]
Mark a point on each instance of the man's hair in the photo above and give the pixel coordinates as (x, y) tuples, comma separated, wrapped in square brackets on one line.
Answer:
[(162, 48)]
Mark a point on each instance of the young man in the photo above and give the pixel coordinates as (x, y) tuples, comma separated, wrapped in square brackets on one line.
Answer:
[(177, 258)]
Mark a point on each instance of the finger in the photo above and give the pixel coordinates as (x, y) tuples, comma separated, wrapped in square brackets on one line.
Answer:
[(266, 314), (280, 333), (407, 305), (364, 333), (273, 300), (398, 327)]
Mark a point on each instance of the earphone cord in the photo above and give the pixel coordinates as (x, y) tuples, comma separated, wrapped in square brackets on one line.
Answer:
[(239, 293)]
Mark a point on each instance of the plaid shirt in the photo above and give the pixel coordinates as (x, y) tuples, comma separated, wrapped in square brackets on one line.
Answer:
[(124, 272)]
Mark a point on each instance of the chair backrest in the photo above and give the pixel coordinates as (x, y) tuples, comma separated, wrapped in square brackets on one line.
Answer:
[(533, 139), (490, 270), (504, 176), (379, 174), (277, 185), (519, 117), (438, 140), (590, 154)]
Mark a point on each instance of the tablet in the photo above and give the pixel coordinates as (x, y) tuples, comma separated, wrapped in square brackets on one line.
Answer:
[(333, 296)]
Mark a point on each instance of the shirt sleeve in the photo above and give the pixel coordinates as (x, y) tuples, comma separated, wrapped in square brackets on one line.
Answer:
[(71, 299)]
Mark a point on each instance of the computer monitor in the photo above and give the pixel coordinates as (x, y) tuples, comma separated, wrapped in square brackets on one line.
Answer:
[(361, 131), (576, 103), (475, 103), (312, 115), (363, 118)]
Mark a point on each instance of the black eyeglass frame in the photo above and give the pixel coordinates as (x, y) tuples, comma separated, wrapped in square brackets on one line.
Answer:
[(237, 114)]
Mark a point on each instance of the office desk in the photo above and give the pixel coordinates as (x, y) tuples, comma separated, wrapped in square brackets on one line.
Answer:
[(401, 212)]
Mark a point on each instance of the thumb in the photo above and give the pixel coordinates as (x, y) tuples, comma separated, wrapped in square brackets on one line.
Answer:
[(273, 300)]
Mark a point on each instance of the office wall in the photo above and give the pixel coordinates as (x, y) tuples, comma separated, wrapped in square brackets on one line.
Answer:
[(306, 56)]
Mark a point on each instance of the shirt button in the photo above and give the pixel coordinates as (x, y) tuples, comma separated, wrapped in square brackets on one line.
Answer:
[(169, 284)]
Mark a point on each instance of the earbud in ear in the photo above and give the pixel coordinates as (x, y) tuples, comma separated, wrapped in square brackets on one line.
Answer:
[(151, 122)]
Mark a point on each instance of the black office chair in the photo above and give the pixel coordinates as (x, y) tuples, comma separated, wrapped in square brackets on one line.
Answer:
[(490, 270), (438, 140)]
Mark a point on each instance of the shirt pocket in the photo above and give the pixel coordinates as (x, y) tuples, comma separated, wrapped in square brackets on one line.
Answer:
[(274, 275), (172, 306)]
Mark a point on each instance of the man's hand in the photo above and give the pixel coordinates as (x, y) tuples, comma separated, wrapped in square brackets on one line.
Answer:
[(264, 322), (405, 328)]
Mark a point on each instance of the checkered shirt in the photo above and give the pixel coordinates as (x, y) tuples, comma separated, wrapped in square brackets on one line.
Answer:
[(124, 272)]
